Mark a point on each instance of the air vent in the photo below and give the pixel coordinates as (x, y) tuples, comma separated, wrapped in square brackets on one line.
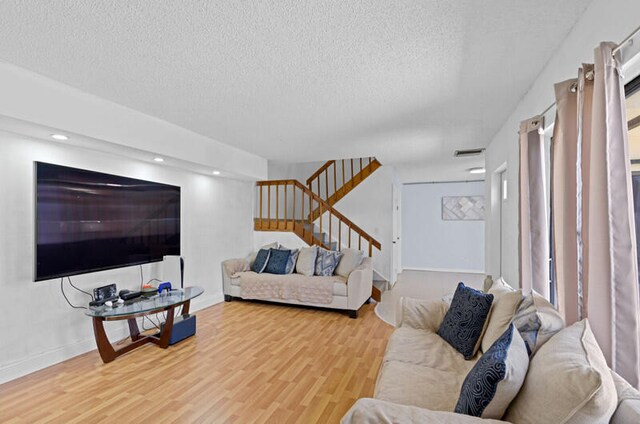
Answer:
[(469, 152)]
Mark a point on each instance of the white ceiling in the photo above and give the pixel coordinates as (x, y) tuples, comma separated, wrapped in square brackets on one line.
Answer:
[(405, 81)]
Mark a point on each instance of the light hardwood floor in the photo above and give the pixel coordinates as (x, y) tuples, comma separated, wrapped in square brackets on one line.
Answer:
[(249, 363)]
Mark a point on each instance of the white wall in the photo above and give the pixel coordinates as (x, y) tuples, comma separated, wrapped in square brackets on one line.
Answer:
[(33, 98), (370, 207), (38, 328), (430, 243), (604, 20)]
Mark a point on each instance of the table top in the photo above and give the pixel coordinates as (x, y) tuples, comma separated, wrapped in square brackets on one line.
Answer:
[(144, 305)]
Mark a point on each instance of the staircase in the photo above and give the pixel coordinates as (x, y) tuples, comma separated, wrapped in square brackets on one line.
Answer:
[(288, 205), (339, 178)]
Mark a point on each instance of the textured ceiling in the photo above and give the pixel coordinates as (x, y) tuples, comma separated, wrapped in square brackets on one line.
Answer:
[(406, 81)]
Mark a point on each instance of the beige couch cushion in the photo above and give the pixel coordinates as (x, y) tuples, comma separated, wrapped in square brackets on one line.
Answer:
[(568, 382), (502, 312), (415, 385), (628, 410), (339, 283), (425, 348), (537, 320), (375, 411), (306, 263), (350, 260)]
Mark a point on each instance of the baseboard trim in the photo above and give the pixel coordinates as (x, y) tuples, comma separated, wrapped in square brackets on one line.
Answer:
[(461, 271), (60, 354)]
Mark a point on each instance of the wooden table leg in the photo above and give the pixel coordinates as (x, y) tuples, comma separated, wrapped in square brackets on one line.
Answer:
[(104, 347), (185, 307), (133, 329), (166, 330)]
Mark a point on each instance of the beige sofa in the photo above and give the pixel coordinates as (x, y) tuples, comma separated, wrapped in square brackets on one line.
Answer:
[(349, 294), (421, 376)]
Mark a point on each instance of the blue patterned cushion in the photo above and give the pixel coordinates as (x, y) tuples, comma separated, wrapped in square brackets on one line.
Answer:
[(291, 263), (326, 262), (277, 263), (260, 263), (496, 378), (464, 321)]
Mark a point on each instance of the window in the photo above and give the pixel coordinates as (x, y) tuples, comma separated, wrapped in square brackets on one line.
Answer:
[(632, 91)]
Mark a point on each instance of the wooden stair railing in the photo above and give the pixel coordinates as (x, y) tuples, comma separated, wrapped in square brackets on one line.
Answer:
[(289, 208), (339, 178)]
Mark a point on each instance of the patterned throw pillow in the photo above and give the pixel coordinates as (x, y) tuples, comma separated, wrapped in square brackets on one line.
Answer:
[(277, 263), (260, 263), (291, 263), (326, 262), (537, 320), (496, 378), (464, 322)]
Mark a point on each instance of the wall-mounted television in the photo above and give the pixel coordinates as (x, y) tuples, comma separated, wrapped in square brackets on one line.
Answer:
[(89, 221)]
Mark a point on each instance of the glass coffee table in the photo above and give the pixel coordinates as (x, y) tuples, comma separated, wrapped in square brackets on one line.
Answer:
[(139, 307)]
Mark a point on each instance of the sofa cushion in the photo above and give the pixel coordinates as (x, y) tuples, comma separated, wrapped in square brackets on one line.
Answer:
[(339, 283), (425, 348), (499, 287), (252, 256), (496, 378), (326, 262), (568, 382), (291, 262), (306, 263), (369, 411), (537, 320), (351, 258), (410, 384), (277, 263), (502, 312), (465, 320), (260, 262)]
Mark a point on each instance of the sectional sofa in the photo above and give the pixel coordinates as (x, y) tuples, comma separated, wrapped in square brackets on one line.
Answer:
[(565, 380)]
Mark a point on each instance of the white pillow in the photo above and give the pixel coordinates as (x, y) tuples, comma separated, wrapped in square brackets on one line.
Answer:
[(495, 380), (306, 263), (568, 382), (351, 258)]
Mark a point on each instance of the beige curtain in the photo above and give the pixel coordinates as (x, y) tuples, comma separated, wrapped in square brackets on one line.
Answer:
[(610, 270), (534, 233), (594, 229), (564, 177)]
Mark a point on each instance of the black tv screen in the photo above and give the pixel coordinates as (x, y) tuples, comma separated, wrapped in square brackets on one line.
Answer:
[(89, 221)]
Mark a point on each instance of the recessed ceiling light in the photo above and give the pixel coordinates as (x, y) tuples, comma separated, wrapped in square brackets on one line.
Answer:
[(216, 172), (158, 159), (59, 137), (478, 170)]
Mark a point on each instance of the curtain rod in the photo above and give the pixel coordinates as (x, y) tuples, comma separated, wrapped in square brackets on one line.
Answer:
[(623, 43)]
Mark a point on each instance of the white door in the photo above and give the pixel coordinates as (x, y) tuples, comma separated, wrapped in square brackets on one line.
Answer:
[(397, 227)]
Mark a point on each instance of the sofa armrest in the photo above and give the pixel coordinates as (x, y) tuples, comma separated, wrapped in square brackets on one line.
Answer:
[(421, 314), (374, 411), (628, 410), (359, 285), (229, 268)]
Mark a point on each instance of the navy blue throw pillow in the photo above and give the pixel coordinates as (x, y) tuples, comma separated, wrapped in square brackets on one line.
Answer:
[(480, 385), (277, 263), (261, 260), (464, 321)]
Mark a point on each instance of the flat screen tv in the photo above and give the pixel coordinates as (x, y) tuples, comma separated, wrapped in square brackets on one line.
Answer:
[(89, 221)]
